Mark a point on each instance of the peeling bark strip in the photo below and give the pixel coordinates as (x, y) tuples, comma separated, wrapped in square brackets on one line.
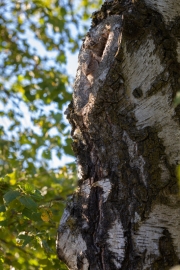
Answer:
[(125, 213)]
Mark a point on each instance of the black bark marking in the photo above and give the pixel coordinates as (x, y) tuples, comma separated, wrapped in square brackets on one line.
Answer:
[(168, 257), (137, 93)]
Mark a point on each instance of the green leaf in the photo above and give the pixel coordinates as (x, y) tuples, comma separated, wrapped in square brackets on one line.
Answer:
[(67, 148), (1, 264), (2, 208), (28, 202), (27, 239), (31, 215), (61, 58), (46, 247), (3, 223), (37, 196), (46, 154), (28, 188), (11, 195)]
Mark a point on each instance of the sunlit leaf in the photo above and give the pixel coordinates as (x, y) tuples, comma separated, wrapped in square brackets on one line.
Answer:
[(45, 217)]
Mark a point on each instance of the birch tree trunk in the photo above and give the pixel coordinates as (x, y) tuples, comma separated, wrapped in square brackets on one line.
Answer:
[(125, 213)]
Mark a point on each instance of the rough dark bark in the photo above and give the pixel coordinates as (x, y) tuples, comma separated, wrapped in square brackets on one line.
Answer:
[(126, 136)]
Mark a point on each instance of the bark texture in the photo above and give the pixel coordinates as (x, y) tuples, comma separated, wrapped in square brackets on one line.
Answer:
[(125, 213)]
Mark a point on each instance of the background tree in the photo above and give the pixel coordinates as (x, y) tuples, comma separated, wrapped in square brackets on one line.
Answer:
[(126, 136), (35, 38)]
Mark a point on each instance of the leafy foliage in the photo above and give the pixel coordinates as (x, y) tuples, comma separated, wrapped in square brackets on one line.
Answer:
[(36, 36), (30, 208)]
